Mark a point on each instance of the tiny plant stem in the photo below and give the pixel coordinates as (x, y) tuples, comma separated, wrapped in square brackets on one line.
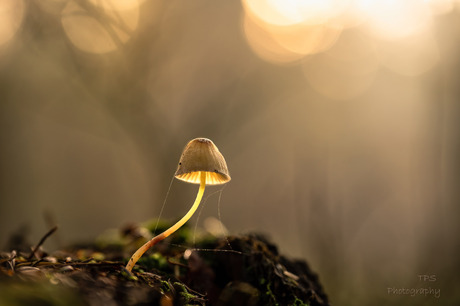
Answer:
[(132, 261)]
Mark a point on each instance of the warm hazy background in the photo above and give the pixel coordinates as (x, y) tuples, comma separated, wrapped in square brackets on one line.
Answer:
[(339, 121)]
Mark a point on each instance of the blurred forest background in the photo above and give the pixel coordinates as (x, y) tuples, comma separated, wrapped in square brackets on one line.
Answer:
[(339, 121)]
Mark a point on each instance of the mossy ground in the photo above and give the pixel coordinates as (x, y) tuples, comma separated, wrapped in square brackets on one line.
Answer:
[(243, 270)]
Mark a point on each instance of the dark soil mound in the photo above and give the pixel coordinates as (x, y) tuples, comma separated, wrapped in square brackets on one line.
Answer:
[(246, 270)]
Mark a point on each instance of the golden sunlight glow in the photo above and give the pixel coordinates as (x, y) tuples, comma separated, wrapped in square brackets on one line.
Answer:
[(100, 35), (346, 70), (410, 57), (288, 36), (265, 46), (267, 12), (284, 31), (289, 12), (309, 39), (117, 5), (441, 6), (282, 43), (11, 15), (394, 19)]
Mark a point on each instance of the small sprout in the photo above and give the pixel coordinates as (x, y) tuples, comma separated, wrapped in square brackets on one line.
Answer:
[(200, 163)]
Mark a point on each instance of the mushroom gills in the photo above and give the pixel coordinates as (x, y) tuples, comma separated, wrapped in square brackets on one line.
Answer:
[(212, 178)]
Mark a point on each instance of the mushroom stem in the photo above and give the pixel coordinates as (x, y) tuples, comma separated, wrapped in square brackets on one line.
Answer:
[(132, 261)]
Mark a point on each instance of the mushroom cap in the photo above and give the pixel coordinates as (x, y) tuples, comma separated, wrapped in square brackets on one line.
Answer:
[(201, 154)]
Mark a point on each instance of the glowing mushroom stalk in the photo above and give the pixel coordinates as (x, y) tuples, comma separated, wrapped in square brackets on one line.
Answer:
[(200, 163)]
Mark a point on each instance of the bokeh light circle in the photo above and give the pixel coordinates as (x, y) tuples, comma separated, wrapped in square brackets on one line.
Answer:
[(11, 16)]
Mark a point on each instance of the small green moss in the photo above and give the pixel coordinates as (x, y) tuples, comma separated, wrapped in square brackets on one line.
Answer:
[(270, 293), (154, 261), (129, 276), (299, 302), (188, 297), (166, 287)]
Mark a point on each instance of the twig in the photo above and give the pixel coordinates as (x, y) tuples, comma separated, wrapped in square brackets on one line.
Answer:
[(50, 232), (41, 263), (91, 264)]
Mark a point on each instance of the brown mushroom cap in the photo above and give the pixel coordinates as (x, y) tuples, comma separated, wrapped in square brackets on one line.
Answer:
[(201, 154)]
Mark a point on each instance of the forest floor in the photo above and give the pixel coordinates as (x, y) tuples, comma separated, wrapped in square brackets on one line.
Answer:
[(234, 270)]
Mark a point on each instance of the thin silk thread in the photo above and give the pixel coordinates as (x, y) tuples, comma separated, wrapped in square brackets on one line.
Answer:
[(163, 206)]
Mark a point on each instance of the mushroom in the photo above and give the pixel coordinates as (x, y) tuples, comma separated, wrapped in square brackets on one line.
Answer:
[(200, 163)]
